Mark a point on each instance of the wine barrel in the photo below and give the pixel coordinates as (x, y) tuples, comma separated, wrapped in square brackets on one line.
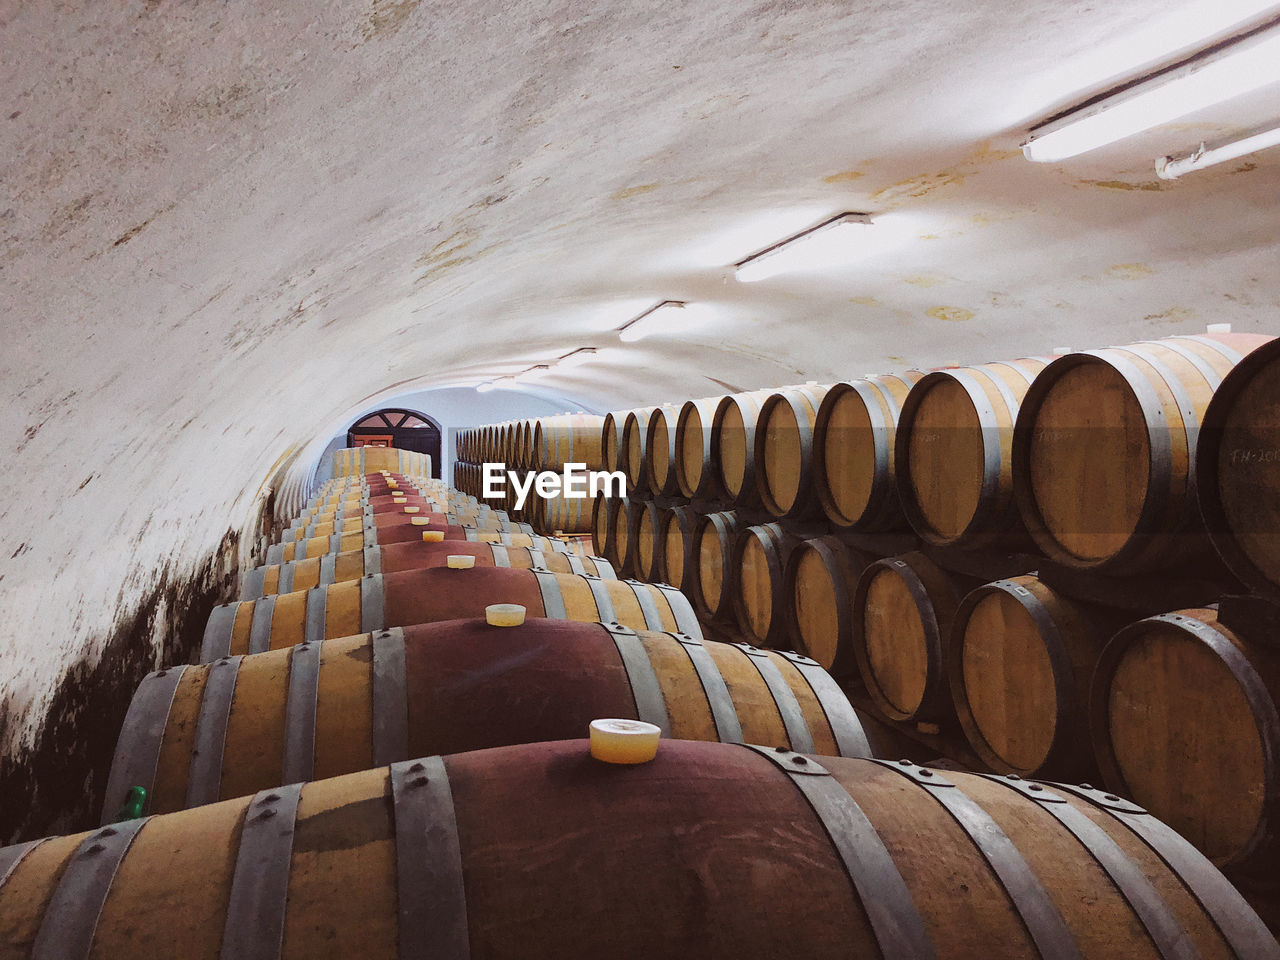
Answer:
[(573, 438), (733, 429), (621, 546), (646, 538), (952, 458), (635, 450), (539, 851), (602, 511), (387, 600), (1019, 663), (661, 462), (679, 528), (345, 542), (853, 446), (397, 528), (561, 514), (711, 578), (611, 445), (363, 460), (819, 582), (1184, 718), (317, 711), (1105, 449), (759, 560), (696, 471), (784, 451), (903, 608), (395, 557), (1236, 459)]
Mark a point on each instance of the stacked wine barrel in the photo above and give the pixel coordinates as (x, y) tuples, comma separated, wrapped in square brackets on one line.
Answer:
[(960, 546), (522, 446), (1003, 572)]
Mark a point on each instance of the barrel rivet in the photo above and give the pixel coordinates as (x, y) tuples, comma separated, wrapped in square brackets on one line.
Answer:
[(267, 814), (270, 798), (1035, 786), (416, 768), (222, 661), (1086, 786), (1014, 776), (109, 832), (95, 848), (418, 782), (904, 763), (1111, 798), (926, 773), (782, 749), (161, 673), (799, 760)]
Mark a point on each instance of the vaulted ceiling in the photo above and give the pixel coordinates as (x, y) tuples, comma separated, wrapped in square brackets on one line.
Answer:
[(227, 230)]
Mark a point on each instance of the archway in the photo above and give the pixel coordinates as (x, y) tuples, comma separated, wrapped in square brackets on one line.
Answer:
[(399, 428)]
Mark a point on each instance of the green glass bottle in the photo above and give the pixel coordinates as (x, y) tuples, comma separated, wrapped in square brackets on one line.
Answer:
[(134, 802)]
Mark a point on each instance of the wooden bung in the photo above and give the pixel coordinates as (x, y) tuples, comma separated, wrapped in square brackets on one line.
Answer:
[(513, 853)]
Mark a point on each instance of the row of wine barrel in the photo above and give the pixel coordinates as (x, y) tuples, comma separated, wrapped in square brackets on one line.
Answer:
[(1014, 660), (715, 850), (545, 443), (373, 862), (1090, 457)]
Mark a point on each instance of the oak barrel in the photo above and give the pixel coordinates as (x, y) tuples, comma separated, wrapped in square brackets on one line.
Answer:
[(903, 608), (540, 852), (759, 560), (696, 470), (572, 438), (394, 557), (439, 593), (1020, 661), (679, 528), (1237, 461), (661, 462), (324, 709), (1105, 449), (635, 450), (711, 578), (733, 436), (784, 451), (953, 453), (853, 449), (819, 582), (1184, 719)]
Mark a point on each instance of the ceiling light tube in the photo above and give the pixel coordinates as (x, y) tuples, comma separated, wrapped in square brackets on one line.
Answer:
[(649, 322), (1171, 168), (576, 358), (827, 243), (1227, 70)]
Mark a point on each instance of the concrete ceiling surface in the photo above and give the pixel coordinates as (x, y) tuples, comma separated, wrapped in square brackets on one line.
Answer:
[(225, 228)]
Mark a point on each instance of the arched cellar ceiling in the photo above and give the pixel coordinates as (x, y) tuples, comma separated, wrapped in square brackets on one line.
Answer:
[(226, 230)]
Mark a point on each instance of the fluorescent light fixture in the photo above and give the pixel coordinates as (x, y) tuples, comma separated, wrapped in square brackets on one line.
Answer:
[(1222, 72), (1171, 168), (832, 243), (663, 317), (577, 358), (538, 370), (486, 387)]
